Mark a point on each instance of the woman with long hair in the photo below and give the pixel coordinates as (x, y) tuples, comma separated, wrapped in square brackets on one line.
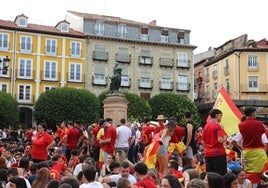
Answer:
[(213, 180), (105, 170), (170, 181), (42, 178), (164, 138)]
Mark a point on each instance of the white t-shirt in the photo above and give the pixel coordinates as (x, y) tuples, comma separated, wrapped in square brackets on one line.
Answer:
[(239, 139), (123, 134), (94, 184), (77, 169), (115, 178), (138, 135)]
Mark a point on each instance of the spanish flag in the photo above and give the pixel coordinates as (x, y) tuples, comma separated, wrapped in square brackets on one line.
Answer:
[(151, 150), (231, 114)]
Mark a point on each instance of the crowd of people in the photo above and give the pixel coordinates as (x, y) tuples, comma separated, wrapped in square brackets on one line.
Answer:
[(146, 154)]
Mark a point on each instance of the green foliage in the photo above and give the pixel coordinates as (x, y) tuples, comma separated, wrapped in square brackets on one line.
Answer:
[(174, 105), (67, 104), (9, 110), (138, 108)]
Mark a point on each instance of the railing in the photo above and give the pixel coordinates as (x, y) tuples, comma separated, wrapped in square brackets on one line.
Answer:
[(24, 75), (49, 77), (215, 74), (183, 64), (125, 82), (100, 55), (52, 52), (146, 60), (183, 86), (146, 85), (81, 79), (100, 82), (226, 70), (166, 86), (263, 88), (253, 68), (123, 57)]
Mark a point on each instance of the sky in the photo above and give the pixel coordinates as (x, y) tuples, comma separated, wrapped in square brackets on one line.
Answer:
[(211, 22)]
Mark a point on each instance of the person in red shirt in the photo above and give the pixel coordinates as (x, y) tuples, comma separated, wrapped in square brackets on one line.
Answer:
[(146, 135), (58, 168), (213, 139), (144, 180), (95, 145), (63, 137), (173, 167), (108, 144), (72, 139), (29, 134), (253, 148), (160, 125), (42, 143), (57, 134)]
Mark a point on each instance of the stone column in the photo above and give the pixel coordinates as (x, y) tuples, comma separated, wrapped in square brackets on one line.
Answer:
[(115, 107)]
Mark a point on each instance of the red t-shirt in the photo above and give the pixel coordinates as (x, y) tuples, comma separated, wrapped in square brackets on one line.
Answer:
[(146, 182), (94, 132), (59, 131), (146, 134), (211, 132), (159, 129), (40, 144), (110, 133), (29, 134), (177, 135), (251, 131), (65, 131), (72, 138), (59, 167)]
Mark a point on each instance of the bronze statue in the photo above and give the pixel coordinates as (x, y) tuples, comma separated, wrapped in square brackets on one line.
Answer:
[(116, 78)]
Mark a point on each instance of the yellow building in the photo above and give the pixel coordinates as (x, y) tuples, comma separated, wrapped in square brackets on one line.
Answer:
[(240, 66), (42, 58)]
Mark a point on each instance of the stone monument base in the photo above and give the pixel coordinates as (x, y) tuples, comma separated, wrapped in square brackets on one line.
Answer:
[(115, 107)]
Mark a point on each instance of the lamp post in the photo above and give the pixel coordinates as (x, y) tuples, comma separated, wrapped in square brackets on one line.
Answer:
[(4, 67)]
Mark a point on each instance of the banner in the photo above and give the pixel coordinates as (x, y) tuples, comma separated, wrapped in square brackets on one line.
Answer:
[(231, 114)]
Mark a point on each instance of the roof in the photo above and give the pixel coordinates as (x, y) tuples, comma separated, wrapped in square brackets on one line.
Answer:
[(35, 28), (115, 19)]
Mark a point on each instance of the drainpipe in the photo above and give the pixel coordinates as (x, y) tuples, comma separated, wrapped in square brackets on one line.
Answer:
[(13, 73), (239, 79)]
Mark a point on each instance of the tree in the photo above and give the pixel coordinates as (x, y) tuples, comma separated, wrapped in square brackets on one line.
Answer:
[(9, 110), (174, 105), (138, 108), (71, 104)]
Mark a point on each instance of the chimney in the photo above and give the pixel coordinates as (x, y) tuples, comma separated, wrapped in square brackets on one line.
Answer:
[(153, 23)]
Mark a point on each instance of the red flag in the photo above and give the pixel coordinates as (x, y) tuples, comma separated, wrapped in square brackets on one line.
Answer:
[(231, 114)]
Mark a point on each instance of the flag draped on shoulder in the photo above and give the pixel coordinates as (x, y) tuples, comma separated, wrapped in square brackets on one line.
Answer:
[(231, 114)]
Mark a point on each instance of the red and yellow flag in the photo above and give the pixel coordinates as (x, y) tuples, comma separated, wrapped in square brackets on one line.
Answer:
[(231, 114)]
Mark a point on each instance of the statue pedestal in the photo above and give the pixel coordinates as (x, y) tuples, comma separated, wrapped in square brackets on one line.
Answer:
[(115, 107)]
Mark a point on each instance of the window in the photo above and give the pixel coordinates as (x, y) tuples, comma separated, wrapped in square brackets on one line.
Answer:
[(51, 46), (207, 74), (182, 59), (100, 53), (25, 68), (75, 72), (26, 44), (253, 64), (215, 71), (215, 90), (99, 75), (227, 86), (50, 70), (145, 57), (47, 88), (3, 41), (207, 92), (3, 87), (165, 81), (99, 28), (75, 49), (125, 77), (181, 37), (144, 33), (25, 92), (164, 35), (122, 30), (226, 68), (182, 82), (145, 80), (253, 83), (22, 22), (64, 27)]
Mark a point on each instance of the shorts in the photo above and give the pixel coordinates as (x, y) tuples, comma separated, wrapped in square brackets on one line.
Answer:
[(162, 150)]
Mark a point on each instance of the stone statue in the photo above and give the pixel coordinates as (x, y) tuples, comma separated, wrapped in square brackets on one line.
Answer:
[(116, 78)]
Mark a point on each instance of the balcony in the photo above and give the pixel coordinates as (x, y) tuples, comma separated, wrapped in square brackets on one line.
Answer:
[(166, 62), (254, 68), (125, 81), (74, 78), (146, 84), (183, 86), (226, 70), (25, 99), (123, 57), (25, 75), (215, 74), (99, 80), (183, 64), (100, 55), (258, 88), (51, 77), (166, 86), (26, 48), (146, 60)]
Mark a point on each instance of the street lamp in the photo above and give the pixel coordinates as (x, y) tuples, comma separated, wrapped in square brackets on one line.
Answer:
[(5, 65)]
